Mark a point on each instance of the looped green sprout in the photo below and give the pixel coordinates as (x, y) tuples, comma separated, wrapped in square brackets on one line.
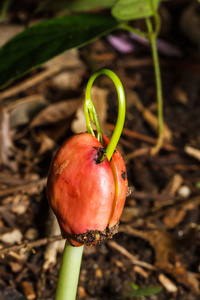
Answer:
[(90, 111)]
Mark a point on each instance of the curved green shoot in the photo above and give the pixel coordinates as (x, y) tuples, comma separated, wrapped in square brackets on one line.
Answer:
[(90, 111)]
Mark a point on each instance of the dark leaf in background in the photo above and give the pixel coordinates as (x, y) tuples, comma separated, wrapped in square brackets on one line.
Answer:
[(75, 5), (48, 39)]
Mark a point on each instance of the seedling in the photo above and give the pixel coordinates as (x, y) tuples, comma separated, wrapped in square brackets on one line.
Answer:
[(86, 188)]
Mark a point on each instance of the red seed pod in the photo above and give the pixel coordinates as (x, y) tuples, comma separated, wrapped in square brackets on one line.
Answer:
[(86, 195)]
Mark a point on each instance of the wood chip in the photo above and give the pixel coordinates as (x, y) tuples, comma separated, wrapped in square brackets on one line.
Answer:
[(192, 152), (168, 284), (140, 271), (28, 290)]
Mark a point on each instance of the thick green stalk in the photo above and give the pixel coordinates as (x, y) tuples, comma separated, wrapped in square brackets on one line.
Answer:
[(69, 272)]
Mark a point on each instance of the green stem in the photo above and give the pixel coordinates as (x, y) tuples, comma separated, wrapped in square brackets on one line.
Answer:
[(152, 39), (134, 30), (69, 272), (90, 111), (4, 9)]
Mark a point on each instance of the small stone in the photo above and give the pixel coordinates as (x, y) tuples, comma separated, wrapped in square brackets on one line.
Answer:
[(81, 292), (98, 273), (12, 237), (184, 191), (31, 234)]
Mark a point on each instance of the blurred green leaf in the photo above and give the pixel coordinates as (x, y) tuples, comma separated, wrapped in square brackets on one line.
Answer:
[(134, 9), (48, 39), (145, 291), (75, 5), (197, 185)]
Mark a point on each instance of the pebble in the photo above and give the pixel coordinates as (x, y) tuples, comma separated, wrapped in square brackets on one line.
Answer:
[(184, 191), (31, 234), (12, 237)]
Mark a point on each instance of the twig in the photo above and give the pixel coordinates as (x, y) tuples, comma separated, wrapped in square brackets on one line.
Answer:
[(34, 244), (24, 187), (24, 85), (141, 137), (133, 259)]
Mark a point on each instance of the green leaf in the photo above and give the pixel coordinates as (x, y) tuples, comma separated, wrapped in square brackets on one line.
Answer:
[(134, 9), (79, 5), (145, 291), (75, 5), (48, 39)]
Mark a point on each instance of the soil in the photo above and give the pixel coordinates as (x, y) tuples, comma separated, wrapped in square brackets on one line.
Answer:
[(158, 243)]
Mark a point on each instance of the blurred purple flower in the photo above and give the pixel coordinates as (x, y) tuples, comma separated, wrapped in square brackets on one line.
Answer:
[(126, 44), (121, 43)]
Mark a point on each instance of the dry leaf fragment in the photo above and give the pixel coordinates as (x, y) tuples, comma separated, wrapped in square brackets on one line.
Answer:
[(24, 110), (46, 143), (67, 80), (69, 59), (150, 118), (56, 112)]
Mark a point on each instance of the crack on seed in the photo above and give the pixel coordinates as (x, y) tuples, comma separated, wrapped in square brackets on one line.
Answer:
[(123, 175)]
